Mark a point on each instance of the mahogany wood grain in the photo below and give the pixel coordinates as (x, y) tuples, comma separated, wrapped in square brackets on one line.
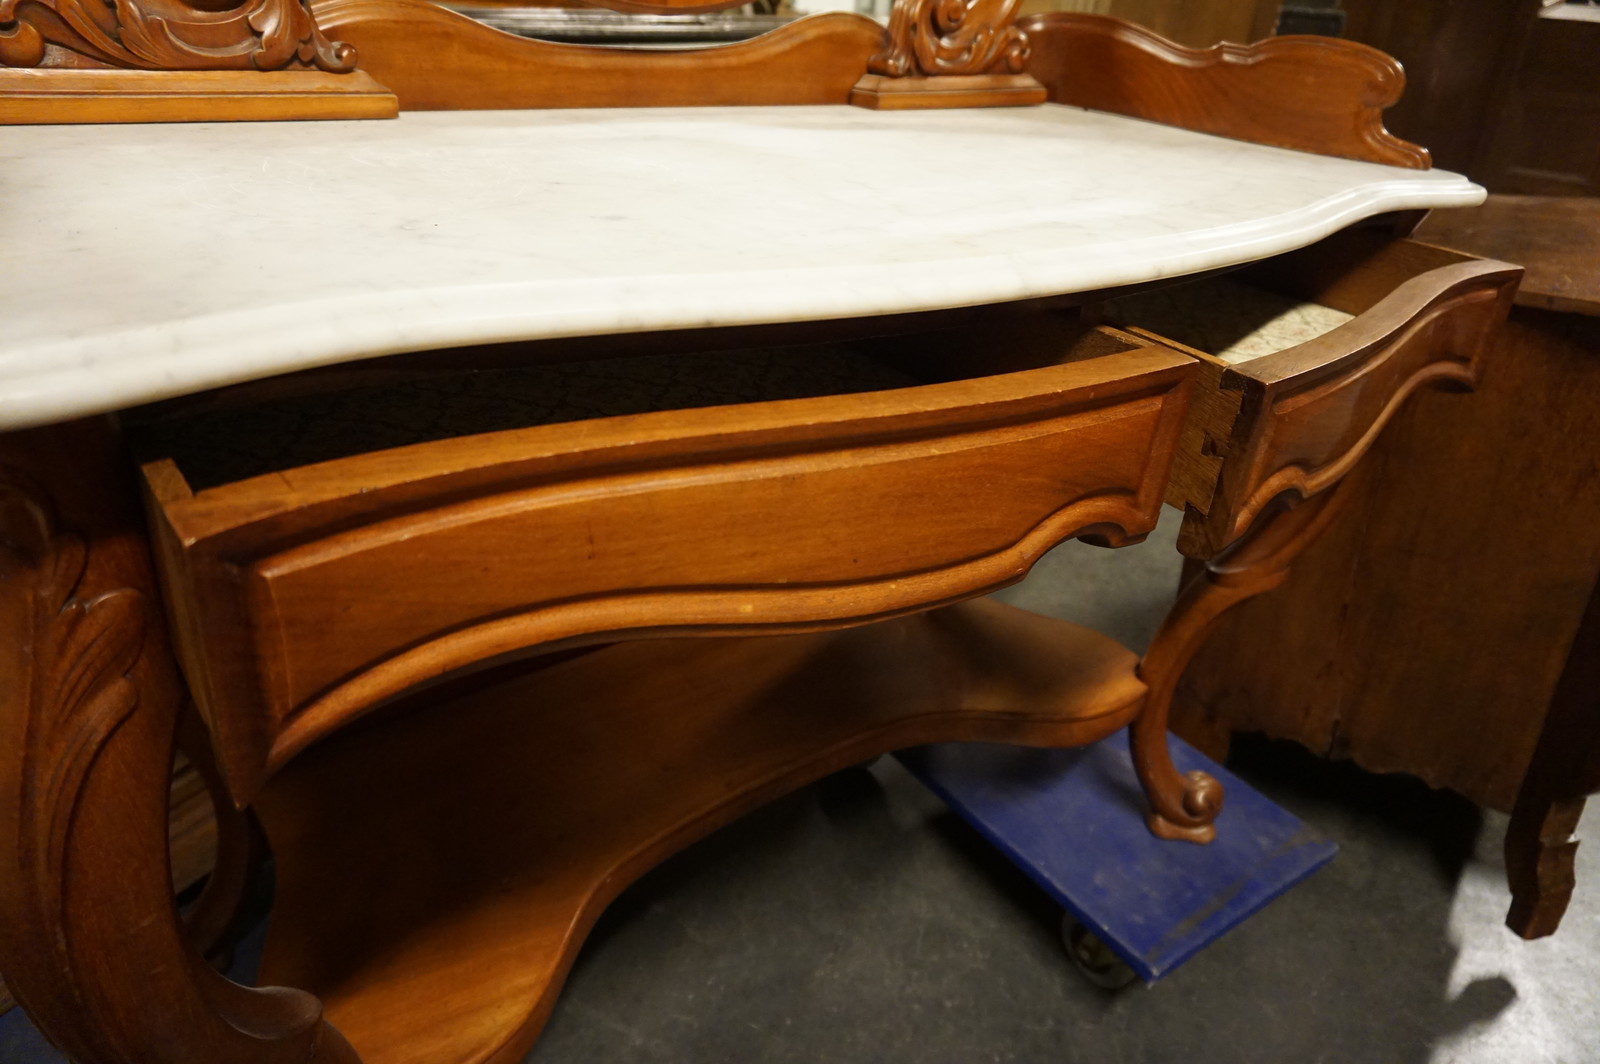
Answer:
[(53, 96), (469, 549), (90, 940), (1196, 23), (439, 868), (433, 59), (1316, 94)]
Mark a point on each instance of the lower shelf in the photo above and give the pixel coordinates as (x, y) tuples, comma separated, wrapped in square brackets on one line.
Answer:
[(438, 870)]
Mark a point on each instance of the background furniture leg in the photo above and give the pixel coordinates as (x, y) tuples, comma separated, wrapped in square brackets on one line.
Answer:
[(1565, 767), (90, 938)]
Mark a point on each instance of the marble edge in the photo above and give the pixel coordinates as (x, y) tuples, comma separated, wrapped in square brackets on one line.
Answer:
[(159, 361)]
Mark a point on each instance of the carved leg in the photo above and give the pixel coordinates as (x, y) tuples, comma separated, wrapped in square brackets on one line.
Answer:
[(1184, 807), (241, 848), (90, 939)]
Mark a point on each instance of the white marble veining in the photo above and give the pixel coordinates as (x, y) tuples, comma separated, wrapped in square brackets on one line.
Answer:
[(142, 262)]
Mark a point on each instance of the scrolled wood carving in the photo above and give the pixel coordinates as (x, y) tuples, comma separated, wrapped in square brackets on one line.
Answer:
[(1316, 94), (261, 35), (90, 937), (952, 37)]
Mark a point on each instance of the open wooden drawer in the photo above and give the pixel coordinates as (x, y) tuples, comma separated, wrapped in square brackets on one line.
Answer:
[(1305, 357), (303, 596)]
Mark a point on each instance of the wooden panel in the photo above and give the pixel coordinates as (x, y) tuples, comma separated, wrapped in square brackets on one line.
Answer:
[(1199, 23), (438, 870), (304, 598), (1426, 632), (52, 96), (1196, 23), (1313, 94), (434, 59), (924, 94)]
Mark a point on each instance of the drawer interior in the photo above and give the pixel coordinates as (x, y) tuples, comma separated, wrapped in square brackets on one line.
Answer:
[(235, 441), (1304, 359), (274, 426), (1226, 317)]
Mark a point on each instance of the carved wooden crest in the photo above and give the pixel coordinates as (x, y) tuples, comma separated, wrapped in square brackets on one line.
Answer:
[(176, 60), (259, 35), (952, 37), (950, 53)]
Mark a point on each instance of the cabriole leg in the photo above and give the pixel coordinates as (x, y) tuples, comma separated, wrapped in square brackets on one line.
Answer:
[(90, 939), (1185, 806)]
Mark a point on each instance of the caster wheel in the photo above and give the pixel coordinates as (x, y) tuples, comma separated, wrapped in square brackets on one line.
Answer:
[(1094, 958)]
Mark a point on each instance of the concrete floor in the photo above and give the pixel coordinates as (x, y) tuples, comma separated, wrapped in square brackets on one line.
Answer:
[(858, 921)]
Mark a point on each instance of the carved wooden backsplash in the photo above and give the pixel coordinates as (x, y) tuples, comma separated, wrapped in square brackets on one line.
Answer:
[(259, 35)]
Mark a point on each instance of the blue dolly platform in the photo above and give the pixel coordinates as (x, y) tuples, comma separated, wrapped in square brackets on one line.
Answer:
[(1073, 820)]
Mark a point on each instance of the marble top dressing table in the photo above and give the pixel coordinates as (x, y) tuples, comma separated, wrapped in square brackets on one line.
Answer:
[(497, 497)]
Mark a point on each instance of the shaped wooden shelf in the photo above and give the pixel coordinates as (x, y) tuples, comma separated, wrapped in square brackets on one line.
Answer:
[(439, 866)]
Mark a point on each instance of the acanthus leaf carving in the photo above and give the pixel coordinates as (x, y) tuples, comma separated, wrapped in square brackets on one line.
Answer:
[(83, 651), (261, 35), (952, 37)]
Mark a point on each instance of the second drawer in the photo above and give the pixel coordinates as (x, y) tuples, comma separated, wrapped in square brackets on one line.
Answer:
[(1304, 358)]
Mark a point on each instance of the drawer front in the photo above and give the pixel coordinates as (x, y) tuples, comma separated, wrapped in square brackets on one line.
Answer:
[(307, 597), (1294, 422)]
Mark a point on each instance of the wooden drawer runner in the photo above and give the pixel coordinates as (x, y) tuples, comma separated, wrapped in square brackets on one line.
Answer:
[(303, 597), (1364, 321)]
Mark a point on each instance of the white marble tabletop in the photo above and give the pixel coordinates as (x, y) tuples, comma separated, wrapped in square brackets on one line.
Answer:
[(143, 261)]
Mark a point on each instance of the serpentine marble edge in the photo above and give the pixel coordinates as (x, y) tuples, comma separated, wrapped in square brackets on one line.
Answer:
[(143, 262)]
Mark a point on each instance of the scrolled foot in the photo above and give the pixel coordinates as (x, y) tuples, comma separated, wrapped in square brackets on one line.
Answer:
[(1201, 802), (1184, 806)]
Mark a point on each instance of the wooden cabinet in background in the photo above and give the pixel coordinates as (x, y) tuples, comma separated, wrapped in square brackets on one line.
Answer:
[(1544, 136)]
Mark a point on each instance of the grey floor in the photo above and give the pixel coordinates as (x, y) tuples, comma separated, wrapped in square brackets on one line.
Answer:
[(859, 921)]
